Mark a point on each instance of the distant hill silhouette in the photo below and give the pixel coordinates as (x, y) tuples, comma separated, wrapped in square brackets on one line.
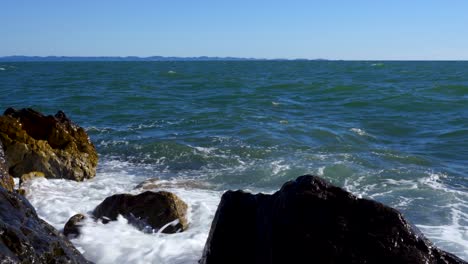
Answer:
[(129, 58)]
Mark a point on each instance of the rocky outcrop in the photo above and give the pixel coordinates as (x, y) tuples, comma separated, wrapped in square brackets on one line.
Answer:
[(73, 226), (149, 211), (53, 145), (311, 221), (6, 181), (25, 238)]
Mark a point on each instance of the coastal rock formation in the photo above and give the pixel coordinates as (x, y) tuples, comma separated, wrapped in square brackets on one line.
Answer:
[(148, 210), (6, 181), (311, 221), (73, 225), (53, 145), (25, 238)]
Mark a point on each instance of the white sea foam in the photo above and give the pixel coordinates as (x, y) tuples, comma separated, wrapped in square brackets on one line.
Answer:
[(278, 166), (107, 143), (2, 69), (118, 242), (205, 150), (360, 132), (452, 234)]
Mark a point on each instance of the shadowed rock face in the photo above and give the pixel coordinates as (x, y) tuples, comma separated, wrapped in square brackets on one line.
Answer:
[(73, 226), (25, 238), (311, 221), (53, 145), (153, 209), (6, 181)]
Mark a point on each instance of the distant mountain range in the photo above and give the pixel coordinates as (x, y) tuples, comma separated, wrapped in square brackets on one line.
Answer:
[(132, 58)]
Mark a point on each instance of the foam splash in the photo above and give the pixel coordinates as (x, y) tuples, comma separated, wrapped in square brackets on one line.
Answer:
[(360, 132), (118, 242), (427, 198)]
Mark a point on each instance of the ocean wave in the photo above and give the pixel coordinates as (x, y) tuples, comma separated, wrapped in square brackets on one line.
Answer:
[(360, 132)]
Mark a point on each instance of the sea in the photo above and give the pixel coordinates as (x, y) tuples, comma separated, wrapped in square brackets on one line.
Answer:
[(396, 132)]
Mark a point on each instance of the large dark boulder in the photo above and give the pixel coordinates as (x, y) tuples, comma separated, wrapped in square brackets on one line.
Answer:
[(25, 238), (311, 221), (149, 211), (6, 181), (53, 145)]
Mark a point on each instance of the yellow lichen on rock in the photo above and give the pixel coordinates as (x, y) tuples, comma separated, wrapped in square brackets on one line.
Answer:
[(53, 145)]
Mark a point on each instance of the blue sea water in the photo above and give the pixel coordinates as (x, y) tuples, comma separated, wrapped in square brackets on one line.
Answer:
[(396, 132)]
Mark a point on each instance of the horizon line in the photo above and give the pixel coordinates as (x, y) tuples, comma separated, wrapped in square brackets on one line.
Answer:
[(15, 58)]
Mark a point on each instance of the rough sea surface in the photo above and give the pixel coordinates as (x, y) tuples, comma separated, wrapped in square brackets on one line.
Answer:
[(396, 132)]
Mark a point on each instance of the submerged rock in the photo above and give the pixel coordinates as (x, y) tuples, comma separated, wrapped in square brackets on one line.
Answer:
[(311, 221), (6, 181), (53, 145), (73, 226), (25, 238), (156, 183), (156, 210)]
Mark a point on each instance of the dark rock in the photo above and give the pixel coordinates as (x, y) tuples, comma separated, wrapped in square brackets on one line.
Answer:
[(6, 181), (153, 209), (25, 238), (73, 226), (311, 221), (53, 145)]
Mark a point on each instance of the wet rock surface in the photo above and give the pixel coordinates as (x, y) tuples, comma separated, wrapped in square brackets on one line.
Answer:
[(25, 238), (73, 225), (311, 221), (6, 181), (53, 145), (149, 209)]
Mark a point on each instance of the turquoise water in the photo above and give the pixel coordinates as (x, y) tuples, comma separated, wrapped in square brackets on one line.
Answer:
[(392, 131)]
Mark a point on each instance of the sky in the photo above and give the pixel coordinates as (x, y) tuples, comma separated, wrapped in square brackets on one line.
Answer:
[(332, 29)]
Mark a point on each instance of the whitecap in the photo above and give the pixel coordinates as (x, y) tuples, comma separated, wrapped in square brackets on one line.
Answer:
[(360, 132), (279, 166)]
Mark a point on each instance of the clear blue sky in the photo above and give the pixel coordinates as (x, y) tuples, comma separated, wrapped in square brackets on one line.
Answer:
[(332, 29)]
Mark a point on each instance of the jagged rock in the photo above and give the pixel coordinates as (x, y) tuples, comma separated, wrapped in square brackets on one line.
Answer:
[(25, 238), (148, 209), (73, 226), (311, 221), (53, 145), (6, 181)]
